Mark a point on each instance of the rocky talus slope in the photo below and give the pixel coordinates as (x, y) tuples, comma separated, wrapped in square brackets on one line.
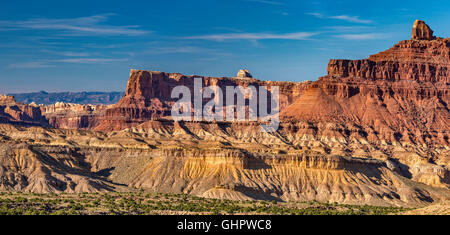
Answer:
[(373, 131)]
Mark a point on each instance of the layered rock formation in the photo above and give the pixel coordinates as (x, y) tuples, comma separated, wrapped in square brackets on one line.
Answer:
[(73, 116), (409, 60), (397, 97), (148, 96), (58, 115), (232, 161), (48, 98), (401, 94), (21, 114)]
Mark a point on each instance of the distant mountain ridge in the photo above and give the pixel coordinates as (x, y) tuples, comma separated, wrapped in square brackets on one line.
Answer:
[(84, 97)]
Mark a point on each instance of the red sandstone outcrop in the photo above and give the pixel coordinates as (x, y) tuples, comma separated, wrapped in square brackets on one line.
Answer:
[(411, 60), (399, 94), (21, 114), (58, 115), (148, 96), (73, 116)]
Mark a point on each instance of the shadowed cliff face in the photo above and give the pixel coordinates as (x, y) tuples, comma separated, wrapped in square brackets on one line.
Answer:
[(20, 114)]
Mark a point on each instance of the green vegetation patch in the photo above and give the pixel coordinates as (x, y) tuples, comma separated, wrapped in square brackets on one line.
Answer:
[(144, 203)]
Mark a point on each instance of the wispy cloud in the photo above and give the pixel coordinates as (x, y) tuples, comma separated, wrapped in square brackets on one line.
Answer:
[(176, 50), (68, 53), (75, 54), (90, 25), (254, 36), (52, 63), (318, 15), (362, 36), (186, 50), (89, 60), (348, 28), (353, 19), (267, 2), (30, 65)]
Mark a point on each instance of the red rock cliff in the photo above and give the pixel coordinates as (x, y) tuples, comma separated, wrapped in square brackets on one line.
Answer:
[(21, 114), (401, 94), (148, 95), (413, 60)]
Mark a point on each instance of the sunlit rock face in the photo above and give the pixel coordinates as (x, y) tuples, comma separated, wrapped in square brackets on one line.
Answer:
[(421, 31), (148, 95), (244, 73)]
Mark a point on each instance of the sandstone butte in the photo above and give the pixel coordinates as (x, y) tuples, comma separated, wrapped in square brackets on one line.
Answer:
[(372, 131)]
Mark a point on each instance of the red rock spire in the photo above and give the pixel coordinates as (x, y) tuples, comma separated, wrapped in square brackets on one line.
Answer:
[(421, 31)]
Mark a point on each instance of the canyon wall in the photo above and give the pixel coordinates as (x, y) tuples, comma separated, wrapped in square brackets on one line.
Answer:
[(73, 116), (231, 161), (20, 114), (399, 94), (148, 95)]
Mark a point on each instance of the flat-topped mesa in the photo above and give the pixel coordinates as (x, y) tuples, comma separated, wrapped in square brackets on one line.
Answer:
[(144, 86), (421, 31), (148, 95), (424, 58)]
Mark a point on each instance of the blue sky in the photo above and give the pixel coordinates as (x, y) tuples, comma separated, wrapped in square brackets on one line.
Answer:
[(92, 45)]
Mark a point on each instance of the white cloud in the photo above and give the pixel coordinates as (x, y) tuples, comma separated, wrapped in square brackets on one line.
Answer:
[(75, 54), (362, 36), (52, 63), (30, 65), (348, 28), (267, 2), (68, 53), (186, 50), (254, 36), (89, 60), (318, 15), (91, 25), (176, 50), (353, 19)]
